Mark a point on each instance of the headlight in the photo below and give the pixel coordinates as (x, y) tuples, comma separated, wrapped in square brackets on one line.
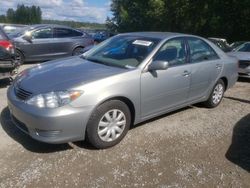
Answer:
[(54, 99)]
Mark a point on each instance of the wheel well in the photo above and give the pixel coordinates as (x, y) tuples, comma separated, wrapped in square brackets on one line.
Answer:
[(128, 103), (78, 47), (20, 51), (224, 79)]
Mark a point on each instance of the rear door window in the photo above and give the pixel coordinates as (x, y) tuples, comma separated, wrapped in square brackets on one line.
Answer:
[(200, 51), (65, 32)]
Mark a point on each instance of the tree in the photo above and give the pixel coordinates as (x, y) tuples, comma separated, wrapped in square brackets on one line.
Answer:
[(207, 18), (24, 15)]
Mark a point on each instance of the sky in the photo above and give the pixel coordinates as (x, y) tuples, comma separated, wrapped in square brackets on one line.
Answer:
[(76, 10)]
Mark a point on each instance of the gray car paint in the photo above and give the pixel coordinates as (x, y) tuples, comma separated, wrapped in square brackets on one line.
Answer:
[(149, 95), (242, 56), (49, 48)]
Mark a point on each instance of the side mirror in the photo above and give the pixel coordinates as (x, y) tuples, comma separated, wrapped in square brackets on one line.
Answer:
[(27, 38), (158, 65)]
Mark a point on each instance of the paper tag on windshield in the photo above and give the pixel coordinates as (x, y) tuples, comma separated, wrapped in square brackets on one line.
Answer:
[(142, 42)]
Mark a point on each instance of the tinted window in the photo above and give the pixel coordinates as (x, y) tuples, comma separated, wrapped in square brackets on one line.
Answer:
[(64, 32), (244, 48), (42, 33), (200, 51), (173, 51)]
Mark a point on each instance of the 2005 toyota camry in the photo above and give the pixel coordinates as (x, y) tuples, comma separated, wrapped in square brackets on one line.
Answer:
[(123, 81)]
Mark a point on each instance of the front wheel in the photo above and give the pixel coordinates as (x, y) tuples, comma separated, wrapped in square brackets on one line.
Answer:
[(217, 94), (108, 124)]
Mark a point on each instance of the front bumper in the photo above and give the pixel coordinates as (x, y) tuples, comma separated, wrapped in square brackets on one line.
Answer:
[(244, 69), (59, 125)]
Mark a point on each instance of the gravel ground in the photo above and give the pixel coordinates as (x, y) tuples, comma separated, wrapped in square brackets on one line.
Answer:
[(192, 147)]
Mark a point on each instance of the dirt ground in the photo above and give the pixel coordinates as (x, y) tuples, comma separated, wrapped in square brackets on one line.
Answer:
[(191, 147)]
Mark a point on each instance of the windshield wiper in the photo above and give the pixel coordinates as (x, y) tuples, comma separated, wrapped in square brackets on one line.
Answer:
[(105, 63)]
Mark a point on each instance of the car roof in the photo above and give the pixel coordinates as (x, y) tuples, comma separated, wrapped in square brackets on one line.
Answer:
[(158, 35), (35, 26), (10, 24)]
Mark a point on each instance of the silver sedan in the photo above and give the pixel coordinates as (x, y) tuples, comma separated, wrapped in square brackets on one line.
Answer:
[(123, 81)]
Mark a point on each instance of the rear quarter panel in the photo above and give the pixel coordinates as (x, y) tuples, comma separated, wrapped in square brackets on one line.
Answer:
[(230, 70)]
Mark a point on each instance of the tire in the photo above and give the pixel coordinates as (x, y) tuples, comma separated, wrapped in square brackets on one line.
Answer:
[(103, 130), (77, 51), (216, 95), (19, 57)]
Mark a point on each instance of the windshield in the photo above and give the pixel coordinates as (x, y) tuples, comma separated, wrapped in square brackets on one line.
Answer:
[(243, 48), (19, 32), (122, 51)]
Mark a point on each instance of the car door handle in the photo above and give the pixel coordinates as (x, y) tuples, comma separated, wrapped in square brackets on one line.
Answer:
[(186, 73), (218, 66)]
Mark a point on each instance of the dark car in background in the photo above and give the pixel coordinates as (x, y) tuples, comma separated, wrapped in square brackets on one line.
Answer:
[(11, 28), (46, 42), (8, 63)]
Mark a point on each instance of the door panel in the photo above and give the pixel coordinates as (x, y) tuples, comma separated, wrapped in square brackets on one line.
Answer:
[(41, 45), (164, 89), (64, 38), (205, 68)]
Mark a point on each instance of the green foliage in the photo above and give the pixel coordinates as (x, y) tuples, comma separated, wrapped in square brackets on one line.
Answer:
[(217, 18), (23, 15), (33, 15), (75, 24)]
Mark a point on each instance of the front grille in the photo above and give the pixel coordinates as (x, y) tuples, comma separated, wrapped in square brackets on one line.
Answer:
[(20, 125), (244, 64), (21, 93)]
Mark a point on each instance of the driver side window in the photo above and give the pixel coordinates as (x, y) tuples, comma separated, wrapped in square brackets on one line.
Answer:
[(173, 51)]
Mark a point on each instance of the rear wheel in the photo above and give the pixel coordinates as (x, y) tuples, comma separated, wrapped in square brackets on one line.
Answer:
[(77, 51), (216, 96), (19, 57), (108, 124)]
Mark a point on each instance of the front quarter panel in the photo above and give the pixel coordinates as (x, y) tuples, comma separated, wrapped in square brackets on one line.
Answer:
[(125, 85)]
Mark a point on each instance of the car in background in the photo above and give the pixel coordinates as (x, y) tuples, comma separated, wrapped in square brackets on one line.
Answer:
[(242, 53), (221, 43), (46, 42), (236, 44), (8, 63), (126, 80), (11, 28), (100, 36)]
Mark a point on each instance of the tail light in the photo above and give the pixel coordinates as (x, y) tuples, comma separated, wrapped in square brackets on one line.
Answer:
[(7, 45)]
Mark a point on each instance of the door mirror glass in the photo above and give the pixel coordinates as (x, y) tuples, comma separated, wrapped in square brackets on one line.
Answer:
[(27, 38), (158, 65)]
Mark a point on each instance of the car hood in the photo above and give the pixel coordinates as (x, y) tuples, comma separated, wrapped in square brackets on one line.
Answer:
[(63, 74), (240, 55)]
